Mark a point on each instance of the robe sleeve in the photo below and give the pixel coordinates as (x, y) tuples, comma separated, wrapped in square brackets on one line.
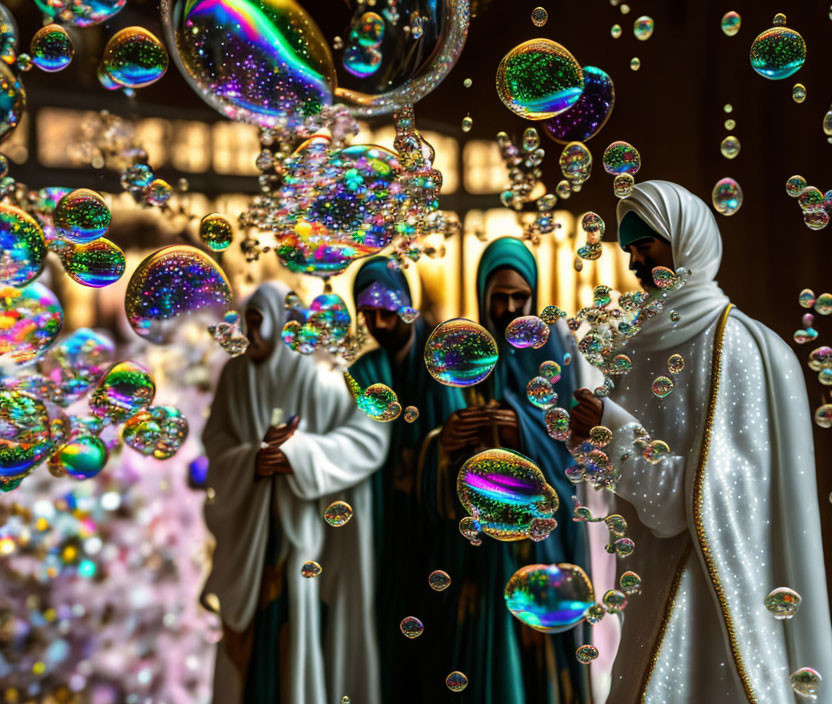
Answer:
[(237, 515), (656, 491), (354, 447)]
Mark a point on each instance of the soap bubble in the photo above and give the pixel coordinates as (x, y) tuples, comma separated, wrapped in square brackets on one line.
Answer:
[(656, 451), (727, 196), (551, 314), (51, 48), (662, 386), (338, 514), (643, 28), (340, 205), (81, 458), (539, 79), (795, 185), (170, 284), (456, 681), (159, 192), (615, 601), (783, 603), (460, 352), (380, 403), (25, 437), (527, 331), (815, 219), (586, 654), (539, 16), (95, 264), (622, 185), (635, 63), (621, 364), (252, 60), (158, 431), (731, 23), (325, 325), (30, 320), (589, 114), (594, 614), (630, 583), (557, 423), (507, 495), (615, 31), (76, 364), (675, 363), (127, 387), (135, 58), (12, 101), (310, 569), (806, 298), (575, 162), (823, 304), (798, 92), (80, 13), (216, 232), (551, 371), (806, 682), (600, 436), (778, 53), (549, 598), (411, 414), (22, 245), (411, 627), (823, 415), (730, 147), (81, 216), (439, 580), (621, 158), (540, 393)]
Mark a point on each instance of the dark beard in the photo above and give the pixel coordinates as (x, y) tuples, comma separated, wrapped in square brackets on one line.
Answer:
[(393, 340), (502, 322)]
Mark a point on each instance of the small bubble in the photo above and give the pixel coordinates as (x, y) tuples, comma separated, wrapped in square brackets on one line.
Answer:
[(338, 43), (730, 147), (779, 20), (635, 63), (467, 123), (730, 124), (728, 108), (467, 82), (625, 9), (799, 93), (615, 31), (539, 16)]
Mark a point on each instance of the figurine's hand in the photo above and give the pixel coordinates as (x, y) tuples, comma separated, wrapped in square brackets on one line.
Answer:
[(586, 415), (462, 428)]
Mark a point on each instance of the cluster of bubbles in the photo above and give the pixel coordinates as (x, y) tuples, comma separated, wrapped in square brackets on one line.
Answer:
[(549, 598), (506, 497), (815, 205), (622, 161), (619, 544), (820, 358), (378, 401), (593, 226), (324, 325), (778, 52), (229, 334), (460, 352)]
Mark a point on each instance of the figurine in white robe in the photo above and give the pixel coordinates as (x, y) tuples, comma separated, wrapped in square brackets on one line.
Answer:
[(732, 512), (325, 455)]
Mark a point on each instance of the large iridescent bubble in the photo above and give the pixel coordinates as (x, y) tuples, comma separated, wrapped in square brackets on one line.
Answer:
[(460, 352), (51, 48), (339, 206), (81, 13), (22, 247), (549, 598), (134, 58), (30, 320), (778, 53), (174, 283), (586, 117), (12, 101), (81, 458), (253, 60), (81, 216), (506, 495), (539, 79), (95, 264), (127, 387), (76, 363), (24, 434)]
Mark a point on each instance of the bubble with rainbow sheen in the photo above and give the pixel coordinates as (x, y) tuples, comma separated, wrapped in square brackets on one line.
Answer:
[(456, 681), (30, 320), (540, 393), (586, 654), (806, 682), (411, 627), (310, 569), (81, 13), (439, 580), (549, 598), (216, 232), (25, 434), (95, 264), (380, 403), (338, 514), (589, 114), (539, 79), (134, 58), (411, 414), (643, 28), (337, 205), (82, 216), (258, 61), (527, 331), (172, 284), (777, 53), (51, 48), (22, 247), (621, 158), (76, 363), (550, 370), (730, 23), (726, 196), (12, 101), (81, 458), (557, 423), (157, 431), (460, 353), (507, 495), (126, 388)]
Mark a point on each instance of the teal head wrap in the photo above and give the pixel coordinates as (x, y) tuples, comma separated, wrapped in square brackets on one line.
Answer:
[(633, 228)]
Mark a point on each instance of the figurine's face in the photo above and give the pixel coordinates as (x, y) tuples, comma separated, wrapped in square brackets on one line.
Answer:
[(387, 328), (645, 255), (510, 293), (259, 349)]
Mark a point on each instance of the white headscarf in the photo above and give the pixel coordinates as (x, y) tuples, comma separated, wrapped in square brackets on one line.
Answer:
[(687, 223)]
